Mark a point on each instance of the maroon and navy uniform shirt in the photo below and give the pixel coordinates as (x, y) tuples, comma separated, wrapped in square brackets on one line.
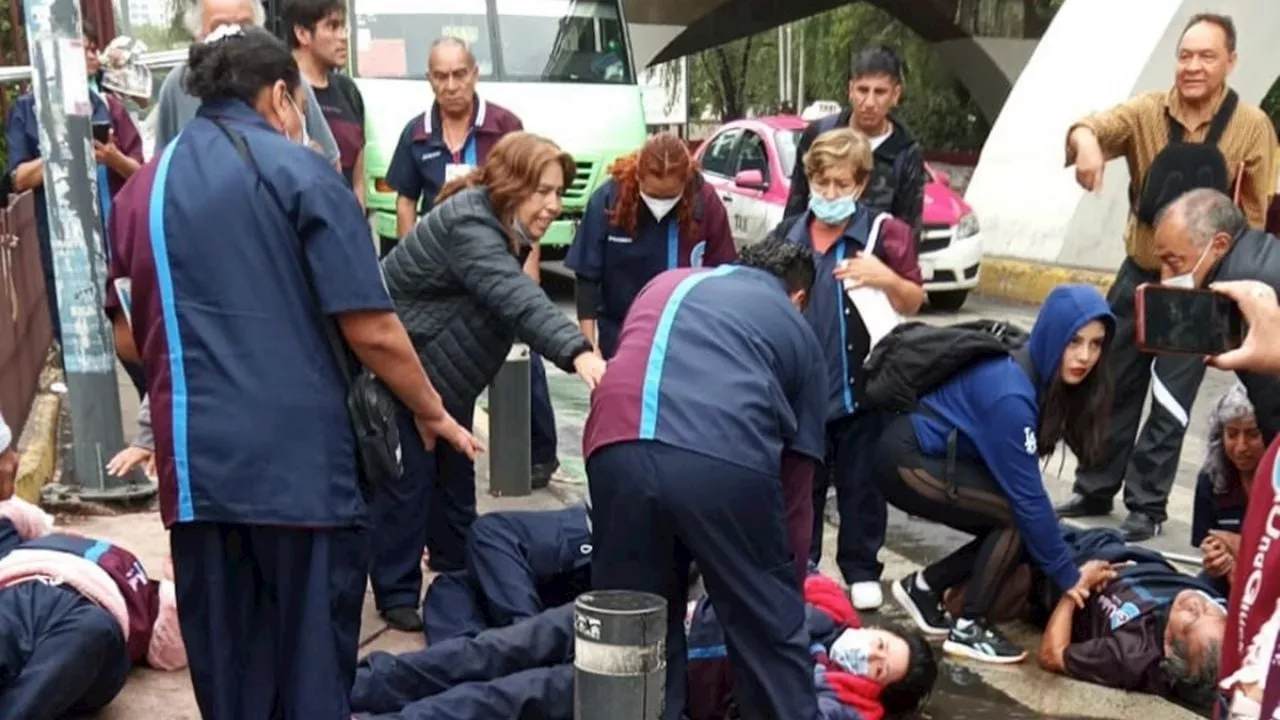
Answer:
[(141, 594), (343, 108), (717, 362), (623, 262), (418, 166), (247, 403)]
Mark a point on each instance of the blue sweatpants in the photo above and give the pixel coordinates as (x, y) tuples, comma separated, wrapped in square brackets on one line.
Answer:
[(432, 504), (518, 564), (521, 671), (864, 515), (60, 654), (542, 418), (270, 617), (655, 508)]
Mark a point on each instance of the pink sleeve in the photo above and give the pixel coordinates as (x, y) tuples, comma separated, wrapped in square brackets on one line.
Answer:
[(30, 521)]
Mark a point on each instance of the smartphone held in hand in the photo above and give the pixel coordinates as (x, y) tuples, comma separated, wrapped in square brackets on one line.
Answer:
[(1183, 321)]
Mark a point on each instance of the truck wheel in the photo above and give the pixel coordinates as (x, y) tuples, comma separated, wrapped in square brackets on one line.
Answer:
[(948, 300)]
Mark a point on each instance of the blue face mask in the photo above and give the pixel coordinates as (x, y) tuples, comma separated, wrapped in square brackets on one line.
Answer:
[(832, 212)]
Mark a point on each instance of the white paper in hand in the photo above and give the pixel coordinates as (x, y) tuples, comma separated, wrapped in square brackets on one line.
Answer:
[(873, 304)]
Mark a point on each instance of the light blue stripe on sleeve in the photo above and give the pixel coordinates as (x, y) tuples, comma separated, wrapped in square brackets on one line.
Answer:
[(173, 335), (658, 351)]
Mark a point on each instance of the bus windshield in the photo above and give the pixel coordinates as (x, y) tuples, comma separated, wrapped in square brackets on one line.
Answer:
[(568, 41)]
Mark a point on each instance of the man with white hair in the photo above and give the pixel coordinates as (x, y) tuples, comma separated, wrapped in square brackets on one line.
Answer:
[(175, 107), (8, 460)]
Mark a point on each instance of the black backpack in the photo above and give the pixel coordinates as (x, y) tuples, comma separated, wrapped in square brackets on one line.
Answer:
[(1182, 166), (915, 358)]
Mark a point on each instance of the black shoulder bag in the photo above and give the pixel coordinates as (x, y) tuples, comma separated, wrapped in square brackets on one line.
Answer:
[(371, 408)]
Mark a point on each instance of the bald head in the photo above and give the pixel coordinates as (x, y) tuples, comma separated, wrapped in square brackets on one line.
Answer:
[(1203, 214), (1194, 232), (203, 16)]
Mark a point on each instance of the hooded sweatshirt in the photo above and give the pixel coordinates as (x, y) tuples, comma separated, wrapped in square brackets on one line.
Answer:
[(996, 408)]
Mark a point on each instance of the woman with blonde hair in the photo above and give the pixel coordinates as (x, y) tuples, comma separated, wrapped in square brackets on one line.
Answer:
[(854, 246), (458, 284)]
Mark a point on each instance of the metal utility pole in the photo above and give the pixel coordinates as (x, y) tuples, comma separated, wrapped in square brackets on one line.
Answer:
[(620, 655), (64, 113)]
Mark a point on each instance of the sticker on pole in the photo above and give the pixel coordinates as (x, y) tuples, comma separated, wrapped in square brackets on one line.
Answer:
[(75, 84)]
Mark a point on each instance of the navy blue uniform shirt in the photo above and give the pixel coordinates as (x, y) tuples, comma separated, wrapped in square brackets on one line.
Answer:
[(995, 407), (247, 403), (422, 158), (624, 262), (834, 317), (717, 362), (1215, 512)]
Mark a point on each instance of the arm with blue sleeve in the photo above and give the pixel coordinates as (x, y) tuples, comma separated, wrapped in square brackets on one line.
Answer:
[(586, 260), (1003, 446), (804, 450), (25, 165)]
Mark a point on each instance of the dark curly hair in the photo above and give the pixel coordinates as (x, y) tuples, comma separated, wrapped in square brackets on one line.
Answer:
[(663, 155), (239, 66), (792, 262)]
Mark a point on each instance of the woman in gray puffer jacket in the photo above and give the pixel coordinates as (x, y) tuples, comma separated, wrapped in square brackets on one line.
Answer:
[(459, 288)]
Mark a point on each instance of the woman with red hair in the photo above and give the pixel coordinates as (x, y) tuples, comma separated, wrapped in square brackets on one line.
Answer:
[(654, 214)]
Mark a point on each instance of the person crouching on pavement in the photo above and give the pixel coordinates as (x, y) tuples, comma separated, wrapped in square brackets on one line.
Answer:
[(75, 615), (1005, 418), (702, 435), (1224, 483), (852, 243), (526, 670)]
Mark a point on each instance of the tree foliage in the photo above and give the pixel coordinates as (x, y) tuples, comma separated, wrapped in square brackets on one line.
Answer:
[(741, 77)]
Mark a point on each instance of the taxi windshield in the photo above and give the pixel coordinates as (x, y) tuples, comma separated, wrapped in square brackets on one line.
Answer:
[(570, 41)]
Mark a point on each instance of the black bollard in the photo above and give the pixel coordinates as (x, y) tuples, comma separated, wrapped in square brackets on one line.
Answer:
[(620, 655), (509, 451)]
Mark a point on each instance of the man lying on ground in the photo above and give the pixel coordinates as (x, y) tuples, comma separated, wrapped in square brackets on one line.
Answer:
[(1145, 626), (517, 565), (526, 670), (75, 615)]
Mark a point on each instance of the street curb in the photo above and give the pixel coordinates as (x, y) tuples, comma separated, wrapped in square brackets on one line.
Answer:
[(38, 444), (1029, 282)]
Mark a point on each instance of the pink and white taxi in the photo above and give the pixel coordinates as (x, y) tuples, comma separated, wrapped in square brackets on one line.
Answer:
[(750, 162)]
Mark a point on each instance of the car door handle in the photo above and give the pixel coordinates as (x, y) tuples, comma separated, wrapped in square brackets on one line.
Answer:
[(727, 198)]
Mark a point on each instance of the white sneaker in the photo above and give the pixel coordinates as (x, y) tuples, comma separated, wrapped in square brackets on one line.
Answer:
[(866, 595)]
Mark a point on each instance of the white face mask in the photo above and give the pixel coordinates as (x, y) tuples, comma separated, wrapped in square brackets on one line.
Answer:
[(660, 207), (852, 652), (1187, 280), (302, 122)]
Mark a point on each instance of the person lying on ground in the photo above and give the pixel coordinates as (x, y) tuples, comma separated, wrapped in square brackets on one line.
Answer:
[(518, 564), (1136, 624), (1224, 484), (526, 670), (76, 614), (141, 451)]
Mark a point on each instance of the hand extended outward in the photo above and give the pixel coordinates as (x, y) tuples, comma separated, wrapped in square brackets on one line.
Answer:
[(1260, 351)]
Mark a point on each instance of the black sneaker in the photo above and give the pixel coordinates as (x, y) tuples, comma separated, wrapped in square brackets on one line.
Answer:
[(540, 474), (924, 607), (404, 619), (982, 643), (1138, 527)]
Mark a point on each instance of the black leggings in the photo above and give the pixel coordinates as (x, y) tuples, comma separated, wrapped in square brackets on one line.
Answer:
[(918, 484)]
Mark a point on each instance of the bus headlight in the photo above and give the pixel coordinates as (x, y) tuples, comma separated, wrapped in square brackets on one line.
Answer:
[(967, 227)]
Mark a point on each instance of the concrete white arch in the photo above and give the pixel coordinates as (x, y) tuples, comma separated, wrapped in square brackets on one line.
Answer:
[(1095, 54)]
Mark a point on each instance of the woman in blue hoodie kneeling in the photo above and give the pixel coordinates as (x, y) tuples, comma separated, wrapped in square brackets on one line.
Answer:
[(999, 421)]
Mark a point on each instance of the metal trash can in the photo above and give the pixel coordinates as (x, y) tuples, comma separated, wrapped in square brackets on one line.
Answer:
[(620, 655), (510, 454)]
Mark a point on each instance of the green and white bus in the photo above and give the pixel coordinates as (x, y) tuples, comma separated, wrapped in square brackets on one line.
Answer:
[(563, 66)]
